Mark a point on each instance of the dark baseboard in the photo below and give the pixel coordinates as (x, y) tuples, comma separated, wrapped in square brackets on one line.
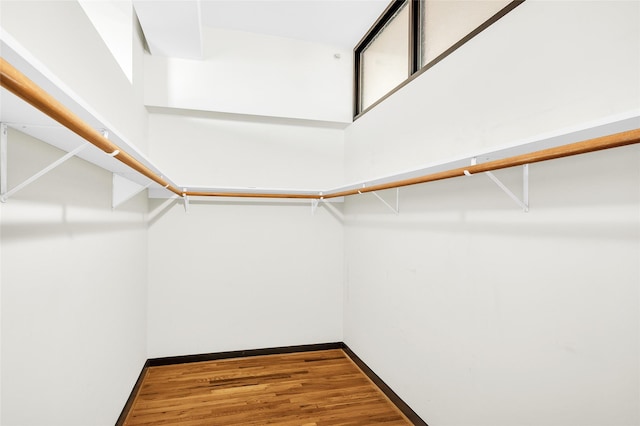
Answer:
[(183, 359), (393, 397), (132, 396)]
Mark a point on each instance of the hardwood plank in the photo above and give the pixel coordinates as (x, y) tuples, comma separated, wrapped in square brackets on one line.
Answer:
[(310, 388)]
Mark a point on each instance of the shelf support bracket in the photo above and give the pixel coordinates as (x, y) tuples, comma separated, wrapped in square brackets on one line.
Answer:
[(395, 209), (124, 189), (185, 198), (332, 209), (524, 203), (315, 202), (158, 211), (5, 195)]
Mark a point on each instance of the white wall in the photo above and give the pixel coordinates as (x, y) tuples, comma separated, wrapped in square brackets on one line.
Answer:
[(244, 73), (477, 313), (73, 272), (73, 282), (226, 151), (229, 277), (547, 65), (474, 312)]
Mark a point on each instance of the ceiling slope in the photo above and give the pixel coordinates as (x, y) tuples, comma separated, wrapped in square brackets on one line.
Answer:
[(173, 28)]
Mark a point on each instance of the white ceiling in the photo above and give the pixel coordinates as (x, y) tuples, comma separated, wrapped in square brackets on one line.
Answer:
[(173, 27), (336, 22)]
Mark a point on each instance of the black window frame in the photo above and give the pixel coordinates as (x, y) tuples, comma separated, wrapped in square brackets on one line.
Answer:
[(414, 67)]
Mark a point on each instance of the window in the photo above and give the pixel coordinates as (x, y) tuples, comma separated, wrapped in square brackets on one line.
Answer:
[(412, 36), (445, 22), (384, 59)]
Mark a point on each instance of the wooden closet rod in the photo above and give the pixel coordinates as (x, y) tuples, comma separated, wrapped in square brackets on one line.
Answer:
[(18, 84), (596, 144), (21, 86)]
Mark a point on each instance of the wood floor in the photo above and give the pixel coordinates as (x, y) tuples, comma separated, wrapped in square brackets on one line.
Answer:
[(309, 388)]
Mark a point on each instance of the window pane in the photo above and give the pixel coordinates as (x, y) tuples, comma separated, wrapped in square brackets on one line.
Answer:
[(445, 22), (385, 61)]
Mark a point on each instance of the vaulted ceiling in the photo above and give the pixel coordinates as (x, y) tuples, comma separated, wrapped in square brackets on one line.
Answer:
[(174, 27)]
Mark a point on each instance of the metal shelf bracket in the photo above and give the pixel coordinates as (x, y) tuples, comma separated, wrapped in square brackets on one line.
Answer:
[(4, 195), (332, 210), (314, 205), (524, 202), (395, 209), (185, 198), (124, 189)]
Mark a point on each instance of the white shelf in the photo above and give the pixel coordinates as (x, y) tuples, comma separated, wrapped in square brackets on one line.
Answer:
[(19, 114)]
